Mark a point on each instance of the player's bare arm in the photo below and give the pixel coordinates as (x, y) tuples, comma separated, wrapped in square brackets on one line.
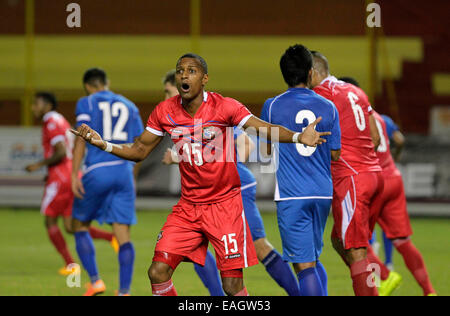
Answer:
[(78, 154), (136, 152), (59, 153), (376, 139), (309, 137), (399, 141), (244, 146)]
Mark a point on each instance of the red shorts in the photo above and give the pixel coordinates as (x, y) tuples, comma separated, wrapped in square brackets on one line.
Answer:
[(57, 200), (190, 227), (391, 206), (352, 197)]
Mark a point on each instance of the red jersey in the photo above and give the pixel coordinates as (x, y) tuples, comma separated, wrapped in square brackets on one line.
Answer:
[(55, 130), (205, 145), (358, 151), (384, 152)]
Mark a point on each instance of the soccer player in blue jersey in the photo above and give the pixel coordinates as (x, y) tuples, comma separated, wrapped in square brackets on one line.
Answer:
[(278, 269), (304, 188), (106, 193)]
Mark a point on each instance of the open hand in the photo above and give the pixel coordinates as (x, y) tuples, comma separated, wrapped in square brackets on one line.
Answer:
[(311, 137), (89, 135), (33, 167), (167, 159)]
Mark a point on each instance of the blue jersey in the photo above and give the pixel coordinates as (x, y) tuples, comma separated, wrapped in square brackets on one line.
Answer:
[(303, 172), (246, 176), (115, 118), (391, 127)]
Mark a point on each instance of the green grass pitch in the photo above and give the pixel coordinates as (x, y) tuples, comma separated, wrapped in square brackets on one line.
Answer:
[(29, 263)]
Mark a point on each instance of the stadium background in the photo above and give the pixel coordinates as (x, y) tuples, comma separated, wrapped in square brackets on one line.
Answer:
[(404, 66)]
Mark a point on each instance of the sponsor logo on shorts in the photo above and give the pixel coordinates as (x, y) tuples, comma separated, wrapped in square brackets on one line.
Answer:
[(233, 256)]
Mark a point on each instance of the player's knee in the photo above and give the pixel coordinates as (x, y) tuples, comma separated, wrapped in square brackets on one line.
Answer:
[(50, 222), (263, 248), (232, 286), (232, 281), (159, 272)]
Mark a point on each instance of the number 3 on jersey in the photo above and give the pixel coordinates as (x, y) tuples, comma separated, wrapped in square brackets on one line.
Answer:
[(310, 117), (118, 109)]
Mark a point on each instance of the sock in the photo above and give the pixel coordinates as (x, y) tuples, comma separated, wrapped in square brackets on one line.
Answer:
[(86, 252), (310, 284), (242, 292), (210, 275), (360, 277), (384, 271), (126, 263), (414, 261), (100, 234), (58, 241), (164, 289), (323, 277), (280, 271), (388, 250)]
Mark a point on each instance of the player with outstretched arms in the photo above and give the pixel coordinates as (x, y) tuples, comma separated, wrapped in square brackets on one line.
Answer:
[(57, 143), (357, 178), (304, 188), (266, 253), (210, 208), (107, 192)]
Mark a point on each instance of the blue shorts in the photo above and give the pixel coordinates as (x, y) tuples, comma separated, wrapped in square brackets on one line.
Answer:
[(252, 214), (301, 224), (110, 196)]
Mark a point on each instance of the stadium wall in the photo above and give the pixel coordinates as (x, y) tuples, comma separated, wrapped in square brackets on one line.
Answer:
[(336, 27)]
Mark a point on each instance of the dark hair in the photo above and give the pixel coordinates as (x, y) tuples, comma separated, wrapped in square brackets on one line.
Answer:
[(198, 58), (350, 80), (48, 97), (169, 77), (295, 65), (95, 76)]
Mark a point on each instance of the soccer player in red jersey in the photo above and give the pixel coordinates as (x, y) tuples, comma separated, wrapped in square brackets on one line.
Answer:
[(58, 197), (210, 210), (394, 220), (356, 175)]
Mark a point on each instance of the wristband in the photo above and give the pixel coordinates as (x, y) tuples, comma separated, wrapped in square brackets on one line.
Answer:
[(109, 147), (295, 138)]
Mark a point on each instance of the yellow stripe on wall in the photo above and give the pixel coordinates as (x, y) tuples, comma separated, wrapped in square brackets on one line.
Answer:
[(137, 63)]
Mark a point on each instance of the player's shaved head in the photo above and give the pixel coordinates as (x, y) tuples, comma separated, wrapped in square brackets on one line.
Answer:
[(199, 59), (320, 63)]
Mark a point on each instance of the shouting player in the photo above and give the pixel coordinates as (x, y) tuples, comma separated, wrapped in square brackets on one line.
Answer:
[(210, 208), (207, 273), (394, 220), (357, 178), (304, 188), (58, 197), (107, 190), (265, 252)]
